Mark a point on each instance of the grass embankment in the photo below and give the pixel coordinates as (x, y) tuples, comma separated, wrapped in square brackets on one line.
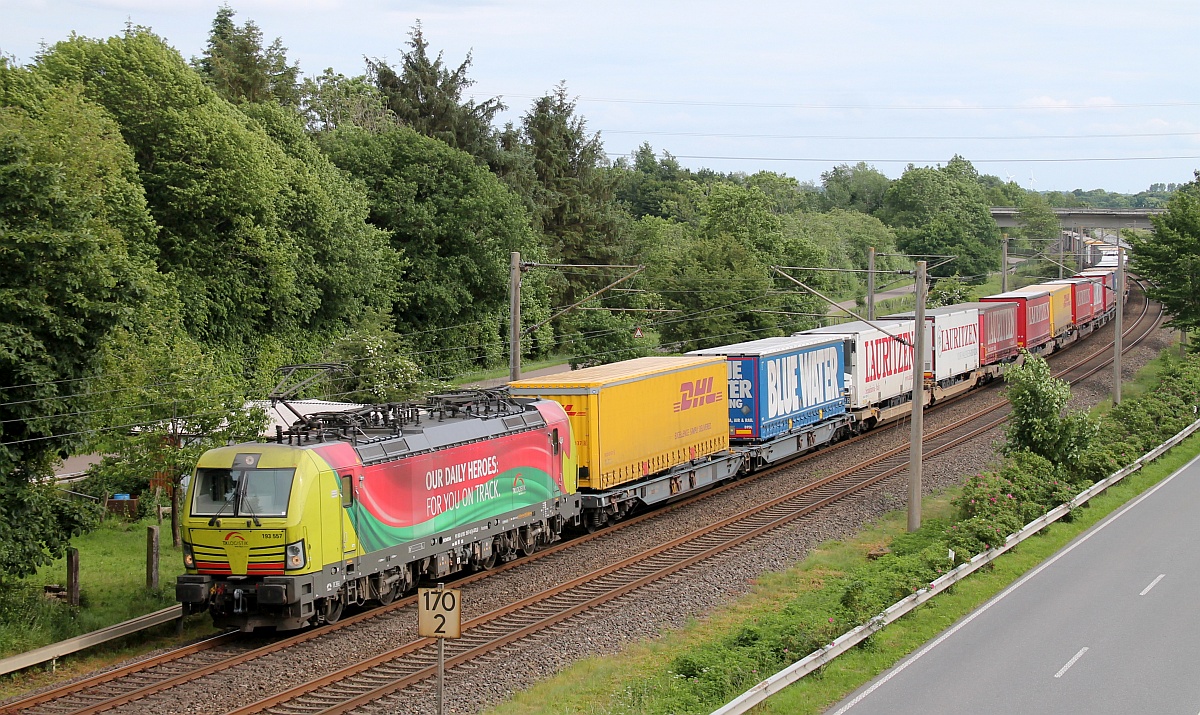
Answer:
[(112, 577), (789, 615)]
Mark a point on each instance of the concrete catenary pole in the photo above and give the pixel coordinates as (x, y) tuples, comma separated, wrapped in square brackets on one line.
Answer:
[(1117, 326), (870, 283), (916, 449), (514, 317), (1061, 253), (1004, 264)]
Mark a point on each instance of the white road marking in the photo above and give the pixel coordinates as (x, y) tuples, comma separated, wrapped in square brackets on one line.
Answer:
[(1071, 662), (1152, 584), (999, 597)]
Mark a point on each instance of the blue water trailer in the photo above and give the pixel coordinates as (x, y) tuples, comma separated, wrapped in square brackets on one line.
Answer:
[(778, 385)]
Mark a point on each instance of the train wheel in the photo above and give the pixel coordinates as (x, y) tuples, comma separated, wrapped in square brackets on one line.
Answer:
[(332, 610), (489, 562), (529, 544), (594, 521), (390, 592)]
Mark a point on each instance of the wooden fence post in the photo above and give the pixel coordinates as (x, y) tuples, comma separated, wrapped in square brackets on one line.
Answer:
[(152, 557), (73, 576)]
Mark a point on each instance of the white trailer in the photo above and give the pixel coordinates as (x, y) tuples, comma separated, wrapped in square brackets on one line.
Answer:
[(878, 367)]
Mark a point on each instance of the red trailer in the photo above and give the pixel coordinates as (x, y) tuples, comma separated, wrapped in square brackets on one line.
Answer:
[(1104, 282), (997, 330), (1082, 306), (1033, 315)]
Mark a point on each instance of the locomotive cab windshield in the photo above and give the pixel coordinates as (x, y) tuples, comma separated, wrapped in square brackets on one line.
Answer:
[(245, 492)]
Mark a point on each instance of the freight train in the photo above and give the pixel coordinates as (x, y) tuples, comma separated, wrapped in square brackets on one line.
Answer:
[(348, 507)]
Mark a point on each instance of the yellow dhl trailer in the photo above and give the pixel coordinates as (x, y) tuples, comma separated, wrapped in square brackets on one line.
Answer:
[(638, 418), (1061, 316)]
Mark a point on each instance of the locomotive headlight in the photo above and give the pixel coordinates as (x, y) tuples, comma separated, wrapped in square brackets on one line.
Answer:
[(294, 555), (189, 558)]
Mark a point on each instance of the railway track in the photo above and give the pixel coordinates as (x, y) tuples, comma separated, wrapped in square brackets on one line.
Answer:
[(487, 636)]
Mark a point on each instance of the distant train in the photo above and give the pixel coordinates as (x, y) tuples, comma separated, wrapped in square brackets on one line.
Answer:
[(347, 507)]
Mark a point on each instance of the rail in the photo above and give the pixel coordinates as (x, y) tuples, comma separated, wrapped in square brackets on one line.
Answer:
[(794, 672), (88, 640)]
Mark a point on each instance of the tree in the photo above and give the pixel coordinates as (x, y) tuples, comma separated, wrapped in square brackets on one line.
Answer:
[(1038, 424), (856, 188), (716, 282), (655, 187), (454, 224), (241, 70), (787, 195), (75, 238), (1038, 221), (247, 219), (427, 95), (331, 100), (949, 291), (182, 400), (1170, 257), (344, 264), (1001, 193), (598, 337), (573, 193), (942, 211)]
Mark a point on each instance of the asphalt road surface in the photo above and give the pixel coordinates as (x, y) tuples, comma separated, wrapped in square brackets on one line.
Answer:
[(1110, 624)]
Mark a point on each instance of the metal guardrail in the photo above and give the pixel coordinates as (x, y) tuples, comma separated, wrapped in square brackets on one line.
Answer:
[(87, 640), (848, 640)]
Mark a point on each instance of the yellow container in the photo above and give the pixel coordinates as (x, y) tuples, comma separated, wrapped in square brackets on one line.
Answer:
[(639, 417), (1061, 317)]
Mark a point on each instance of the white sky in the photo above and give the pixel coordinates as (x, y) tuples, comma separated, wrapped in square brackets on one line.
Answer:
[(1022, 88)]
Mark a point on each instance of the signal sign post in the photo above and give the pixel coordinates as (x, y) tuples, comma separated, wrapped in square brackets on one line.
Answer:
[(439, 616)]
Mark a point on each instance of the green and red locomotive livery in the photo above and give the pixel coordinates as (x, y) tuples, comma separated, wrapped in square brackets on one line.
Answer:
[(350, 507)]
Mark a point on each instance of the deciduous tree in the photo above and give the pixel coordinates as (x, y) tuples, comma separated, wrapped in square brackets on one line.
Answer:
[(75, 243), (1170, 257)]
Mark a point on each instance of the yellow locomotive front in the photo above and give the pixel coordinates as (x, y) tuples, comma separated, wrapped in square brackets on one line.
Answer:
[(258, 521)]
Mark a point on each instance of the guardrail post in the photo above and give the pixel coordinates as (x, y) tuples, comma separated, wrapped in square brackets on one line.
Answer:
[(152, 557), (73, 576)]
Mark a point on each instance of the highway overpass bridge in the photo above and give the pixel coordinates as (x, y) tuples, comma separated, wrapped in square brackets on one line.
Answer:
[(1077, 219)]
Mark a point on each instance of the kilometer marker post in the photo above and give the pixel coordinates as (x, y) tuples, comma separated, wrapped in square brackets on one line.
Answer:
[(439, 616)]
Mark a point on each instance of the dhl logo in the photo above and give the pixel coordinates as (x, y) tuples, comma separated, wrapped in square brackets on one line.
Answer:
[(571, 411), (697, 393)]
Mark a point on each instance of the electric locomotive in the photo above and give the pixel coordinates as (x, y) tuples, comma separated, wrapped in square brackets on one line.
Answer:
[(348, 507)]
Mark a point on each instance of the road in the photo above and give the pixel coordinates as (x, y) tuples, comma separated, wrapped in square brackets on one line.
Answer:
[(1109, 624)]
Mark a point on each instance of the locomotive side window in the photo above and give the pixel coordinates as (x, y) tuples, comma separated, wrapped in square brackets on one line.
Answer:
[(554, 443), (347, 490)]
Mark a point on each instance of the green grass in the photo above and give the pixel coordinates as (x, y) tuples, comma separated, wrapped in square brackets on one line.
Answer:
[(1146, 379), (503, 371), (623, 683), (112, 577)]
